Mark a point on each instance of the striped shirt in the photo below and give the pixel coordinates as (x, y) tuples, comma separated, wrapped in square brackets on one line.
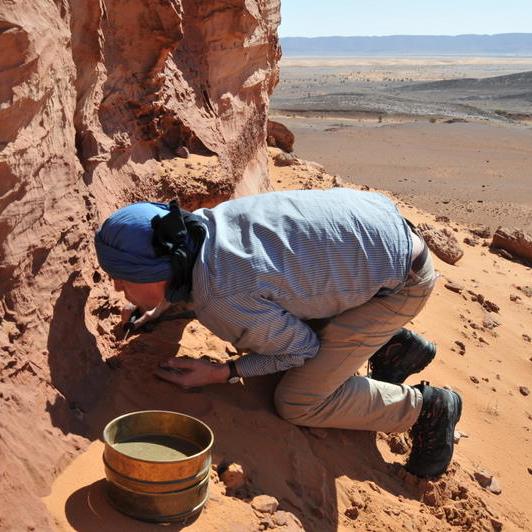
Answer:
[(271, 261)]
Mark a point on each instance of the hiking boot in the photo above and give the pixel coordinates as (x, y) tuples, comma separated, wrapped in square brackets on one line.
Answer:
[(433, 432), (406, 353)]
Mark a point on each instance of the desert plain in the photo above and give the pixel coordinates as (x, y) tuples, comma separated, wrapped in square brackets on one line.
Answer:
[(453, 135)]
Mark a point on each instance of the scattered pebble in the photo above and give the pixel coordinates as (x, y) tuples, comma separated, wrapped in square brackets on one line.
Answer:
[(524, 390), (490, 306), (398, 444), (286, 159), (454, 287), (287, 519), (461, 347), (182, 152), (355, 499), (458, 435), (527, 290), (265, 504), (481, 231), (352, 513), (495, 487), (488, 481), (471, 241), (474, 379), (233, 476), (489, 322)]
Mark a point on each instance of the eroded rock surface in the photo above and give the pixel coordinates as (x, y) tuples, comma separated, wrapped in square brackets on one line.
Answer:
[(95, 99)]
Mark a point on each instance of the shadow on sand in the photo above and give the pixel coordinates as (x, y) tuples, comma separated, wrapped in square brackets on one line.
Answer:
[(88, 510), (282, 460)]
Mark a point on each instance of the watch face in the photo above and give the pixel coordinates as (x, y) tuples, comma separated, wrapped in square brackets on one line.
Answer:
[(233, 380)]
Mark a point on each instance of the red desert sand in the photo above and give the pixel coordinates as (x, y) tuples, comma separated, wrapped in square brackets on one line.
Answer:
[(334, 479)]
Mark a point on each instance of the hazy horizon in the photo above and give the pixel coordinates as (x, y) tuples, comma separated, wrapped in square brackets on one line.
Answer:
[(503, 44)]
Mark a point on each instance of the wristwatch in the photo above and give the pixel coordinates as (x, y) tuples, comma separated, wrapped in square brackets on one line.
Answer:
[(234, 377)]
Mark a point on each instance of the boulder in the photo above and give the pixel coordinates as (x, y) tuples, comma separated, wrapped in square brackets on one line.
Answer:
[(279, 136), (442, 242), (516, 242)]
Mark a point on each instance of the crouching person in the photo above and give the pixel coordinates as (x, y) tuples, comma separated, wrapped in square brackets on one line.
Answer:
[(258, 271)]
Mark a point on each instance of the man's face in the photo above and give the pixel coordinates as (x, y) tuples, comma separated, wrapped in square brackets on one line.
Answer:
[(143, 295)]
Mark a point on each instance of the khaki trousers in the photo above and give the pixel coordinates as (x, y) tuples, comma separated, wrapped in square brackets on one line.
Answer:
[(325, 393)]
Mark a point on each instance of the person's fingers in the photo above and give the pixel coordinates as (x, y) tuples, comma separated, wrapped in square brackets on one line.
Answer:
[(182, 363), (147, 316), (172, 376), (126, 312)]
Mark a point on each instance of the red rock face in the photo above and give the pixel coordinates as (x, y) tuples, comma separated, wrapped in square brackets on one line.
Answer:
[(153, 76), (95, 97)]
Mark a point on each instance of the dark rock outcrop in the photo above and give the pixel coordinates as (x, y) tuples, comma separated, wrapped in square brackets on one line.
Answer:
[(279, 136), (514, 241)]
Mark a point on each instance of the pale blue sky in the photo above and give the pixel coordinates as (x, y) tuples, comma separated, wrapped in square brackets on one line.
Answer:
[(312, 18)]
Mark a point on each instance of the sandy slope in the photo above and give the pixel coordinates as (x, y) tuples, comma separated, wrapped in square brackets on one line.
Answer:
[(332, 479)]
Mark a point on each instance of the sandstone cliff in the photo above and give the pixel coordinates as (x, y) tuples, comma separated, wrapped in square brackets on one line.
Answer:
[(95, 99)]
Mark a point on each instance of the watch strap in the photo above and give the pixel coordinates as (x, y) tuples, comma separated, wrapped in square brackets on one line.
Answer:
[(233, 374)]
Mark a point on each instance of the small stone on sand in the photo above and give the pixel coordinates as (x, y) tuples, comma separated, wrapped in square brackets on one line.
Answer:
[(265, 504), (233, 477)]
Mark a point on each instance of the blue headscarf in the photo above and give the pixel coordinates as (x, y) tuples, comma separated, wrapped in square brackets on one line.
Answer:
[(127, 248)]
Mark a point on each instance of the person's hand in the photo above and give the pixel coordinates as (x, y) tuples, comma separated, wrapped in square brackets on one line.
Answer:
[(126, 312), (191, 373), (148, 315)]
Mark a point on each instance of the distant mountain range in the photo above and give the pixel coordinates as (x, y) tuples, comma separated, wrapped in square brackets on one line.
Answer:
[(502, 44)]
